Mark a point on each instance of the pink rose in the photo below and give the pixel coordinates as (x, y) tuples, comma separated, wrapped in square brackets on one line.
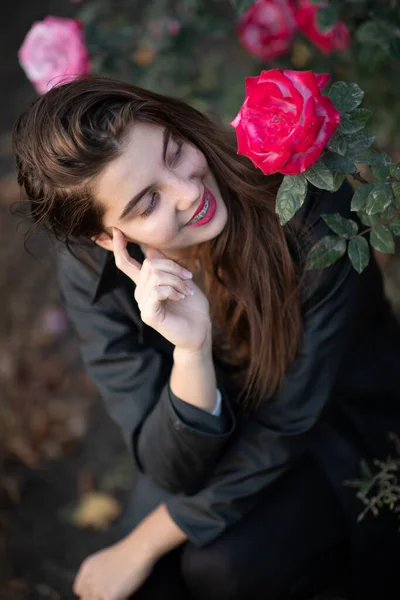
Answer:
[(54, 52), (267, 28), (336, 38), (285, 122)]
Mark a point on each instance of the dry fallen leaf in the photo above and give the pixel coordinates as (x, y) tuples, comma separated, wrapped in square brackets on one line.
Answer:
[(96, 510)]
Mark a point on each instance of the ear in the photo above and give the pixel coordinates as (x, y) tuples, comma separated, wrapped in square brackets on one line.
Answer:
[(104, 241)]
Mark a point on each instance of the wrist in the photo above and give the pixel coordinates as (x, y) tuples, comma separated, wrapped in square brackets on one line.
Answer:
[(203, 351), (156, 535)]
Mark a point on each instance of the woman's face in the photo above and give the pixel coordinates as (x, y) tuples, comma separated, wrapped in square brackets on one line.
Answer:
[(152, 190)]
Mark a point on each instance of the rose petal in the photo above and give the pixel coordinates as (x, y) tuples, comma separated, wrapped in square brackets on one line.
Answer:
[(242, 139), (322, 79), (304, 82), (286, 86), (273, 162), (251, 84)]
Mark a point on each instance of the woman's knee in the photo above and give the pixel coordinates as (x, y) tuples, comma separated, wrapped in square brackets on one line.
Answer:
[(210, 573)]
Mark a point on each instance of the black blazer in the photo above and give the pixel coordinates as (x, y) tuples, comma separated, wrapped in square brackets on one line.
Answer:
[(209, 478)]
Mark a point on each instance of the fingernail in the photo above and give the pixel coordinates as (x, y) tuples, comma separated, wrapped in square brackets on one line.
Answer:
[(187, 274), (181, 296), (189, 290)]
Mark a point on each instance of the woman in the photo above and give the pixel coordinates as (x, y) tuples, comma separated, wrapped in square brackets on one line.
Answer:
[(247, 389)]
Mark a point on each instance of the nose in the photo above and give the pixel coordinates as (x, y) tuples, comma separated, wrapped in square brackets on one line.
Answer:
[(187, 194)]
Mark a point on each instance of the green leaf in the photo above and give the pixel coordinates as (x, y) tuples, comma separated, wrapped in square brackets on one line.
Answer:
[(357, 142), (379, 198), (337, 144), (359, 199), (338, 179), (388, 213), (241, 5), (338, 163), (346, 97), (394, 226), (358, 251), (395, 170), (344, 227), (368, 220), (396, 193), (355, 121), (320, 176), (382, 239), (369, 157), (327, 16), (326, 252), (290, 197), (381, 167), (371, 34), (392, 214)]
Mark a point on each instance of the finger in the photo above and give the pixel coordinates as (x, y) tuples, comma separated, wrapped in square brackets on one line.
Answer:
[(123, 260), (161, 278), (77, 585), (151, 307), (154, 253), (152, 265)]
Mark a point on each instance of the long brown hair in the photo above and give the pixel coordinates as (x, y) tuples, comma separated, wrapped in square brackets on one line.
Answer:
[(65, 139)]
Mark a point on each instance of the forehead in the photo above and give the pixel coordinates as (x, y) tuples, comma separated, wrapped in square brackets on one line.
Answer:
[(139, 133), (139, 158)]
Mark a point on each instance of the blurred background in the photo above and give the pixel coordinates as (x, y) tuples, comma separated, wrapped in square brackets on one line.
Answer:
[(65, 475)]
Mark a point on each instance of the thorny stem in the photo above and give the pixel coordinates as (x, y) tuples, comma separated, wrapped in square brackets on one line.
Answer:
[(358, 177)]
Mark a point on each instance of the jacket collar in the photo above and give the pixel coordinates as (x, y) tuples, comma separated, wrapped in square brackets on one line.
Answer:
[(110, 275)]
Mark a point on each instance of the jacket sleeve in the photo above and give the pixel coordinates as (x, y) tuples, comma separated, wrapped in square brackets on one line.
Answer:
[(272, 438), (133, 380)]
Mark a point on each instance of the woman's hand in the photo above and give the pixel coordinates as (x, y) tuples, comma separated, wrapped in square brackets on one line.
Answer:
[(160, 284), (112, 574)]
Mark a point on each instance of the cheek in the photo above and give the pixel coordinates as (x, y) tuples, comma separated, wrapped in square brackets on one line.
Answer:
[(160, 231)]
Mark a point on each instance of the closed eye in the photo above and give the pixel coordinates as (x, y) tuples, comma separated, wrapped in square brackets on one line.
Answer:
[(178, 152), (155, 195)]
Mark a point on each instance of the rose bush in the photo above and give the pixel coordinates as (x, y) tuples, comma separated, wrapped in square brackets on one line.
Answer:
[(285, 122), (267, 28), (54, 52), (335, 38)]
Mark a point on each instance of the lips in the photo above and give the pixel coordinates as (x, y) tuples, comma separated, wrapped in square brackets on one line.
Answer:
[(200, 207)]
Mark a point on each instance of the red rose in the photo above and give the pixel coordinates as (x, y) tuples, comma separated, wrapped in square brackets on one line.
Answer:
[(336, 38), (267, 28), (284, 123)]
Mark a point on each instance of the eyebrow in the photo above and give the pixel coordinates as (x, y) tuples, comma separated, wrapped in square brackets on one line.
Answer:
[(133, 201)]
